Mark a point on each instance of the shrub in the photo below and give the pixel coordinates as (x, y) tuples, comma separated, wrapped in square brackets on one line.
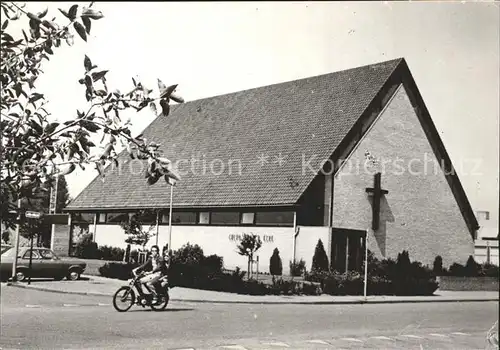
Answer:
[(275, 264), (86, 248), (297, 268), (438, 265), (111, 253), (121, 271), (473, 269), (320, 259)]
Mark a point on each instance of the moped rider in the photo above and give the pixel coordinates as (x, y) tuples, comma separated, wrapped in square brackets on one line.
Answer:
[(155, 269)]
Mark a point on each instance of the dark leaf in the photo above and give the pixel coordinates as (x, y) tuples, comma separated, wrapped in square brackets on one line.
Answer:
[(88, 82), (43, 13), (133, 80), (99, 75), (34, 18), (7, 37), (34, 25), (25, 37), (87, 63), (87, 23), (35, 97), (65, 13), (81, 81), (168, 91), (165, 107), (80, 30), (68, 122), (50, 128), (5, 24), (142, 105), (48, 50), (153, 178), (37, 128), (92, 127), (72, 12)]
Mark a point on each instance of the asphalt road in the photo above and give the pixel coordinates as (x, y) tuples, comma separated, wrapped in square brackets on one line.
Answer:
[(42, 320)]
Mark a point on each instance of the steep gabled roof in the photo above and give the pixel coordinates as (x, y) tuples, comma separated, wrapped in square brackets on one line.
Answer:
[(298, 119)]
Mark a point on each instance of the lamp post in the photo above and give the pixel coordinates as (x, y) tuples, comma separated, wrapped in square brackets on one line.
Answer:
[(16, 244), (170, 219), (366, 264)]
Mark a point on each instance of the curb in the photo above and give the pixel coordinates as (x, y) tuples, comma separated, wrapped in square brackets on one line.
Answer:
[(264, 302)]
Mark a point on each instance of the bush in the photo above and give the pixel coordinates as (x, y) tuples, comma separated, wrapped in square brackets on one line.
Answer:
[(320, 259), (121, 271), (386, 277), (297, 269), (275, 264), (111, 253), (438, 265), (86, 248), (472, 269)]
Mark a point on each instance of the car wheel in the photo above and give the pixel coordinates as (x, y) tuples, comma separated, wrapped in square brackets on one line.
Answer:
[(73, 275), (20, 276)]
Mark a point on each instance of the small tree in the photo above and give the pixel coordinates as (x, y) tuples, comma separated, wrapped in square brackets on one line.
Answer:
[(133, 228), (438, 265), (320, 259), (275, 264), (248, 246)]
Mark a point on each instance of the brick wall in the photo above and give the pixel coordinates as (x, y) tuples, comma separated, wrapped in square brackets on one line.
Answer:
[(420, 213)]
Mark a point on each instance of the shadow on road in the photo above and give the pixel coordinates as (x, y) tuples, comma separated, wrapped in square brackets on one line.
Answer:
[(173, 309)]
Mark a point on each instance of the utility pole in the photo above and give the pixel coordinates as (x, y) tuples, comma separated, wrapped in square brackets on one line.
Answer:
[(16, 244)]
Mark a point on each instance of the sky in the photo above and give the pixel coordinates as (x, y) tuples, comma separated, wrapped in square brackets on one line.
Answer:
[(213, 48)]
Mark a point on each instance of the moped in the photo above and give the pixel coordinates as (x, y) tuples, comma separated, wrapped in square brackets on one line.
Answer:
[(126, 296)]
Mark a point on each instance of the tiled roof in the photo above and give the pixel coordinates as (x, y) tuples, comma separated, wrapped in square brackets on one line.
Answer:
[(299, 119)]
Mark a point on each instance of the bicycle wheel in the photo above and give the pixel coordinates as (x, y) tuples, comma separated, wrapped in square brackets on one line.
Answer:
[(123, 299), (162, 303)]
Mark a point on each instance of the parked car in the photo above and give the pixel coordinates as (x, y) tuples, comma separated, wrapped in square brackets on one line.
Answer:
[(45, 263)]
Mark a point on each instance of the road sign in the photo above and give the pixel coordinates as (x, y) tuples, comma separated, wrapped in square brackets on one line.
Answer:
[(33, 214)]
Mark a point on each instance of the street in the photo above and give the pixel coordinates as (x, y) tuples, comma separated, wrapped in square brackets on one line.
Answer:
[(36, 319)]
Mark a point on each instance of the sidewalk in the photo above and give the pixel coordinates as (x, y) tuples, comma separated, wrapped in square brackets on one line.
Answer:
[(100, 286)]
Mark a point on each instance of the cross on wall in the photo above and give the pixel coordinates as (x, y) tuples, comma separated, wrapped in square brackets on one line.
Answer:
[(377, 192)]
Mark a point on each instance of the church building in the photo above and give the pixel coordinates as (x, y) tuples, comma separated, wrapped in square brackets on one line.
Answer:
[(350, 157)]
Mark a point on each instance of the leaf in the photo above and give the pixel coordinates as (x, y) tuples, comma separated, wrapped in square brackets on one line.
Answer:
[(88, 81), (35, 97), (37, 127), (43, 13), (91, 13), (50, 128), (70, 40), (25, 37), (65, 13), (96, 76), (176, 98), (87, 23), (168, 91), (80, 30), (152, 105), (34, 18), (133, 81), (5, 24), (72, 12), (90, 126), (68, 169), (165, 107)]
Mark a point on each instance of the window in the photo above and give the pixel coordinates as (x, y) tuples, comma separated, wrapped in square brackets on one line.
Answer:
[(86, 218), (101, 218), (35, 254), (225, 217), (164, 218), (47, 254), (116, 217), (204, 218), (184, 218), (247, 218), (273, 218), (148, 217)]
